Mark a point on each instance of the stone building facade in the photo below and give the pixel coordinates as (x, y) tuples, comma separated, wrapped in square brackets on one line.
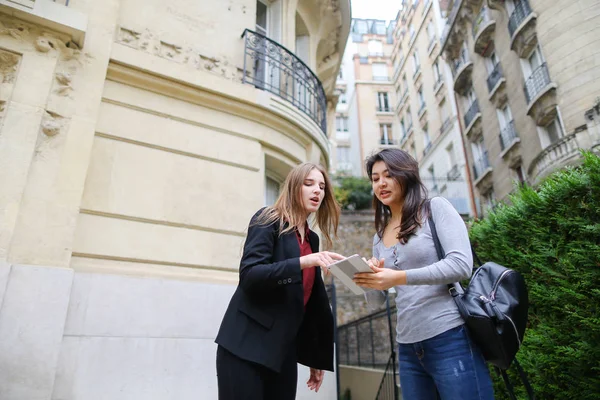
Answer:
[(137, 138), (526, 75)]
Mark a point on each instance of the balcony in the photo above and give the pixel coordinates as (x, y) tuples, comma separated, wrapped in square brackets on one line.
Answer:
[(481, 169), (496, 83), (270, 66), (521, 26), (381, 78), (427, 149), (432, 45), (508, 137), (484, 27), (454, 173), (565, 151), (461, 70), (540, 93), (388, 142), (417, 73), (384, 109), (473, 119)]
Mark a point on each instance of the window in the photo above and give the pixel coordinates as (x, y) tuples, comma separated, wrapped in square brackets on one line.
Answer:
[(444, 114), (341, 124), (343, 98), (341, 74), (437, 76), (434, 186), (409, 121), (382, 101), (491, 62), (416, 62), (489, 199), (403, 128), (519, 174), (551, 133), (380, 71), (375, 48), (386, 134), (405, 84), (411, 31), (451, 160), (532, 63), (261, 18), (480, 161), (413, 151), (271, 191), (343, 155), (421, 99), (431, 32)]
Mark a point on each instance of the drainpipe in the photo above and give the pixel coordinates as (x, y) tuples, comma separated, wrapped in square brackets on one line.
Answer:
[(468, 169)]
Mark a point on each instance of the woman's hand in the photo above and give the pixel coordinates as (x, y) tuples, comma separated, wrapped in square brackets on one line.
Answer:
[(381, 278), (316, 379), (321, 259)]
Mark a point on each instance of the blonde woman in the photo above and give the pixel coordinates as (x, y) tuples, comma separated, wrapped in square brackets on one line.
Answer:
[(279, 315)]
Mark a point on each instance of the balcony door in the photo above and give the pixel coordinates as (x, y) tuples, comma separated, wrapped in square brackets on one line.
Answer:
[(260, 63)]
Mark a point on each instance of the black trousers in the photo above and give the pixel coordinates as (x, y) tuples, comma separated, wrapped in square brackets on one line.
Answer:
[(244, 380)]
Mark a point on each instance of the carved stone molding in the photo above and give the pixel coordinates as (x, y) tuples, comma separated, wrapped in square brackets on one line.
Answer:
[(40, 39), (8, 66), (52, 123), (149, 42)]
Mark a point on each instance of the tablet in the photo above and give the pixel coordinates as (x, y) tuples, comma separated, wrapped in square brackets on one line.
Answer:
[(345, 269)]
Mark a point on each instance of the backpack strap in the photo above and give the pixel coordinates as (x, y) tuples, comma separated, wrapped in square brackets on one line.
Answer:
[(525, 381), (509, 386)]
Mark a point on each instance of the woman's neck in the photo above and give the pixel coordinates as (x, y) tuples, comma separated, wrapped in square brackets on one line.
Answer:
[(396, 213)]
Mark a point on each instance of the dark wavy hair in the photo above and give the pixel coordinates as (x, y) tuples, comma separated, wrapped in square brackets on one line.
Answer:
[(415, 207)]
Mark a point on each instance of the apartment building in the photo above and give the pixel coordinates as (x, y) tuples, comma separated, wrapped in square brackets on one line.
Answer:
[(137, 139), (526, 74), (425, 110), (364, 114)]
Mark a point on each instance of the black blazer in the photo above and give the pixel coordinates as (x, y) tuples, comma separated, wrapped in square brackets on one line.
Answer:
[(266, 317)]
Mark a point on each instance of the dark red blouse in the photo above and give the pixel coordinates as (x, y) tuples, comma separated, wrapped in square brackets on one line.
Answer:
[(308, 274)]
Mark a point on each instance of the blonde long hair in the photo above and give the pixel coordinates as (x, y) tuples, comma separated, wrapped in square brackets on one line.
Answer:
[(289, 206)]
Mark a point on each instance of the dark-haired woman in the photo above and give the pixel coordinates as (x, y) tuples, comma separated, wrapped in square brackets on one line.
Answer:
[(279, 315), (436, 355)]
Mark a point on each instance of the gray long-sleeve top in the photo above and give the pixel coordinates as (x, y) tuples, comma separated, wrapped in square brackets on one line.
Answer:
[(425, 307)]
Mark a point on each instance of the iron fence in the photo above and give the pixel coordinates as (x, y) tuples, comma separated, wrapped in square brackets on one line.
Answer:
[(471, 113), (522, 11), (538, 80), (270, 66), (494, 77), (508, 135), (388, 388), (366, 341)]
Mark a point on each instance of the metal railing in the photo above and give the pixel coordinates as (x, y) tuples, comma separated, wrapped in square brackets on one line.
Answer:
[(508, 135), (538, 80), (471, 113), (522, 11), (388, 388), (454, 173), (458, 63), (270, 66), (427, 149), (388, 142), (481, 165), (451, 19), (494, 77), (417, 70), (367, 342), (481, 20), (422, 108)]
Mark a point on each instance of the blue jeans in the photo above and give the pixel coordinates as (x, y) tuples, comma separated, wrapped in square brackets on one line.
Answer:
[(448, 364)]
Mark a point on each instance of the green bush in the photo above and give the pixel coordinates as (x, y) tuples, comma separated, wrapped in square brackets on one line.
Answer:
[(353, 193), (552, 236)]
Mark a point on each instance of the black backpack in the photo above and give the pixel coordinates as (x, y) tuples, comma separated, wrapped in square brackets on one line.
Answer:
[(494, 306)]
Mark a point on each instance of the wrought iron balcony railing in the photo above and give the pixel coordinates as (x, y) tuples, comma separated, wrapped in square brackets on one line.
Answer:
[(454, 173), (522, 11), (387, 142), (471, 113), (427, 149), (480, 165), (538, 80), (508, 135), (457, 64), (270, 66), (494, 77), (481, 20)]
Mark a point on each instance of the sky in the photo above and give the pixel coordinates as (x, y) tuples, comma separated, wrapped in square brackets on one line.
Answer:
[(376, 9)]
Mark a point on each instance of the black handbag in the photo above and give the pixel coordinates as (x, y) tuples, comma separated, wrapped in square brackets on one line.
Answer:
[(494, 306)]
